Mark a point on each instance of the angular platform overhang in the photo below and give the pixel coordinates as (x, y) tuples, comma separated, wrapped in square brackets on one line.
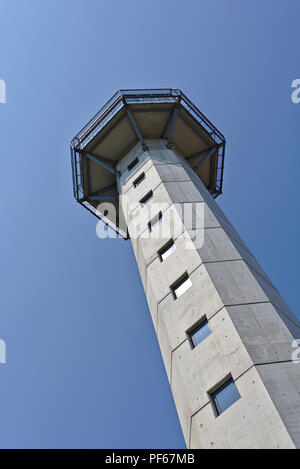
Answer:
[(133, 116)]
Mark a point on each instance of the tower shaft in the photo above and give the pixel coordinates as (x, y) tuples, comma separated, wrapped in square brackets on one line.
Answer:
[(197, 271)]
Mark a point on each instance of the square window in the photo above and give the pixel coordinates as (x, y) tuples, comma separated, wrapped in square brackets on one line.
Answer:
[(181, 286), (132, 164), (138, 180), (199, 333), (146, 199), (225, 396), (166, 250), (155, 222)]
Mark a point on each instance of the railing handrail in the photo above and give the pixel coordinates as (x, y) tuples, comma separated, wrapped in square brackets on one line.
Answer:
[(121, 95)]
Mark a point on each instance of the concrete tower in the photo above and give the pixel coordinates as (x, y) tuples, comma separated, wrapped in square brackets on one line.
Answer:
[(150, 165)]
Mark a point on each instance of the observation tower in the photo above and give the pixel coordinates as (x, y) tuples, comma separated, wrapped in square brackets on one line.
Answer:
[(150, 166)]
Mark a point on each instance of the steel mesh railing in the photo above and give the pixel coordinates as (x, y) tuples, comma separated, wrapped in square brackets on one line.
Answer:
[(119, 100)]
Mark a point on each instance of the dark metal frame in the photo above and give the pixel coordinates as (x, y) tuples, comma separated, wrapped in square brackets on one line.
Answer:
[(138, 180), (184, 278), (136, 129), (214, 395), (120, 100), (165, 248), (192, 331), (172, 128)]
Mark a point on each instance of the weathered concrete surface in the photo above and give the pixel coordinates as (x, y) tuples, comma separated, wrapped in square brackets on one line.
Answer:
[(252, 422), (252, 328)]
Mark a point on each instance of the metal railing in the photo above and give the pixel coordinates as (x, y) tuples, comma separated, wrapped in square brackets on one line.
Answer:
[(123, 97), (126, 97)]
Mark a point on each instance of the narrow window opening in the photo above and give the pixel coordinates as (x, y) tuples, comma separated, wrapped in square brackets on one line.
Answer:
[(225, 396), (181, 286), (166, 250), (132, 164), (155, 222), (199, 332), (139, 180), (146, 199)]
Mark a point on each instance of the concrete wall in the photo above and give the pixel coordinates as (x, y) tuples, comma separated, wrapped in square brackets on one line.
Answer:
[(251, 326)]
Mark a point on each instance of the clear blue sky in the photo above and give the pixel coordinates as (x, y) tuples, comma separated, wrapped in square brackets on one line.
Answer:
[(83, 364)]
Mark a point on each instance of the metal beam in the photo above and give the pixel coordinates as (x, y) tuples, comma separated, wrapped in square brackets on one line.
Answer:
[(103, 197), (198, 154), (203, 152), (172, 128), (102, 158), (101, 161), (205, 158), (136, 129), (167, 125), (100, 191)]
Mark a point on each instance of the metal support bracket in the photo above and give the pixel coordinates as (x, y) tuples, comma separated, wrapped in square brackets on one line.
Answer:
[(103, 197), (172, 128), (101, 161), (99, 192), (204, 158), (136, 129), (196, 155)]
